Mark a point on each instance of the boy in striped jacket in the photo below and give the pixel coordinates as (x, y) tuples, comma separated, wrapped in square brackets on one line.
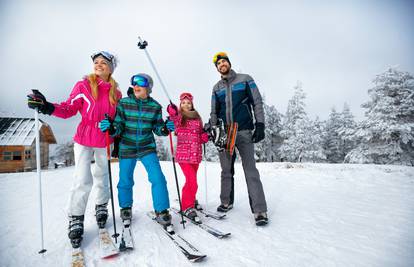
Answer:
[(138, 117)]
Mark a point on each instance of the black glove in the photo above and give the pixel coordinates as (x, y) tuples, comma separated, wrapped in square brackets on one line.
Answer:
[(259, 133), (115, 151), (167, 128), (38, 101), (130, 90)]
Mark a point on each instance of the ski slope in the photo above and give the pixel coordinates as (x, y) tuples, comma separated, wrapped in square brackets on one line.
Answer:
[(320, 215)]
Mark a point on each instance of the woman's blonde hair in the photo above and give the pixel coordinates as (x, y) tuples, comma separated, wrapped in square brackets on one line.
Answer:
[(113, 99)]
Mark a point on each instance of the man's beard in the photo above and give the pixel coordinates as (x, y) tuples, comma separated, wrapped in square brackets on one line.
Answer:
[(224, 73)]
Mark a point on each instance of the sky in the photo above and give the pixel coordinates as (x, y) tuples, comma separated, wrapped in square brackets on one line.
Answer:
[(335, 48)]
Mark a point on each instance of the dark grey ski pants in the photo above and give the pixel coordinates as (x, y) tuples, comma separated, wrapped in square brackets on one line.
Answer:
[(245, 147)]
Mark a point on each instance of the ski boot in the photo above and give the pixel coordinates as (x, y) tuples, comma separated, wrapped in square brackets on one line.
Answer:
[(191, 214), (224, 208), (75, 230), (101, 214), (164, 218), (197, 205), (126, 216), (261, 218)]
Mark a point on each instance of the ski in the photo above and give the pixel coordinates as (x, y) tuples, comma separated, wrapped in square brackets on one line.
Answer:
[(106, 245), (214, 215), (127, 241), (77, 258), (180, 243), (206, 213), (209, 229)]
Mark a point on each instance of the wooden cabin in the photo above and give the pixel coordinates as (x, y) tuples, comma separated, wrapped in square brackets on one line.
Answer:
[(18, 144)]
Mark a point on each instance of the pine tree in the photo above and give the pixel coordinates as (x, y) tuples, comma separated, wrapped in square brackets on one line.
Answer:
[(346, 131), (293, 130), (64, 154), (267, 150), (163, 150), (386, 135), (332, 141), (313, 148)]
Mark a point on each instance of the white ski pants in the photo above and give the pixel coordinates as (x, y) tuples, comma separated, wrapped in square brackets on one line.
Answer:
[(87, 176)]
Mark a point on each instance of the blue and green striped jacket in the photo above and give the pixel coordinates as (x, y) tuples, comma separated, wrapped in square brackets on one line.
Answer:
[(135, 122)]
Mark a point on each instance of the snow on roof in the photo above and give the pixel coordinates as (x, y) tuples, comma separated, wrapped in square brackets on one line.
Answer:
[(21, 132)]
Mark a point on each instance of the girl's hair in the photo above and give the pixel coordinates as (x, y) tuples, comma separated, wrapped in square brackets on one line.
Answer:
[(192, 114), (92, 78)]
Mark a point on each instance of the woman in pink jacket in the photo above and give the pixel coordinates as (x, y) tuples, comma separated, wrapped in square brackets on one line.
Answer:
[(190, 137), (94, 96)]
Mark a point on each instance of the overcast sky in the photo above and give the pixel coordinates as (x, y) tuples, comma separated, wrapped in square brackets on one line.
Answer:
[(335, 48)]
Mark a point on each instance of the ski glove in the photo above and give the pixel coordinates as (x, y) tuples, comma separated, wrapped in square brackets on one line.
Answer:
[(168, 127), (172, 109), (38, 101), (259, 133), (106, 125), (115, 151)]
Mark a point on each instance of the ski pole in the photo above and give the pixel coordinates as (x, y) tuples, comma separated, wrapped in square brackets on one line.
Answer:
[(176, 180), (43, 250), (108, 154), (205, 175), (142, 45)]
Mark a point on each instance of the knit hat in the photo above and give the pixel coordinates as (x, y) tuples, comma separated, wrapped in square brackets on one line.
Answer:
[(220, 55), (110, 59), (142, 80)]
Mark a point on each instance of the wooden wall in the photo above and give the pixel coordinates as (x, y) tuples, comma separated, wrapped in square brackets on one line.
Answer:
[(28, 158), (12, 165)]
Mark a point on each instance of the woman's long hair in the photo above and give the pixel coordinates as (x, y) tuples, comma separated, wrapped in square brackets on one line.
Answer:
[(92, 78)]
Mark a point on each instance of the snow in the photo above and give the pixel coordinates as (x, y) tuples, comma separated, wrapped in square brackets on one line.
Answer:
[(320, 215)]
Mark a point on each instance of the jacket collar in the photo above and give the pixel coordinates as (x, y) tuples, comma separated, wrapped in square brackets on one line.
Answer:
[(230, 77)]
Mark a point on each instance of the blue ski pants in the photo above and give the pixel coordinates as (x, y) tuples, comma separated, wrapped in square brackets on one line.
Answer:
[(159, 191)]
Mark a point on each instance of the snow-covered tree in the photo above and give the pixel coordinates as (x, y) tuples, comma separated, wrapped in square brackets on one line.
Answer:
[(163, 149), (267, 150), (386, 135), (332, 141), (64, 154), (346, 131), (313, 145)]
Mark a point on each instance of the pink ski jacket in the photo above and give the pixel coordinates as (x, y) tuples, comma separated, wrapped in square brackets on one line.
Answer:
[(190, 137), (91, 110)]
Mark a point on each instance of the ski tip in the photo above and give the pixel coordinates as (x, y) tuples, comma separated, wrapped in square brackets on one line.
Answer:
[(226, 235), (197, 258), (110, 256)]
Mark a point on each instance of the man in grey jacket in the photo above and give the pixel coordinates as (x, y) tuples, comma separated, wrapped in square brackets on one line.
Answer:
[(235, 98)]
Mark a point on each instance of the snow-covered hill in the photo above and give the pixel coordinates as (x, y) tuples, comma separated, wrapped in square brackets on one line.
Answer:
[(320, 215)]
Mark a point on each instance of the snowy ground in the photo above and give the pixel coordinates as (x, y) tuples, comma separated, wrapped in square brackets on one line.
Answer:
[(320, 215)]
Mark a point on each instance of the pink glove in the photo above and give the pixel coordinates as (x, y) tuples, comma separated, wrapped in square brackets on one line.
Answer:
[(172, 109), (204, 137)]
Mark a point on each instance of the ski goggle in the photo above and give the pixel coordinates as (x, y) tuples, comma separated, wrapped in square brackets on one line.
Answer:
[(138, 80), (219, 56), (108, 56), (186, 96)]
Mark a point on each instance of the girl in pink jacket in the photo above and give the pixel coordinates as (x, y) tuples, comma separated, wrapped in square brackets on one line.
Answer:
[(190, 137), (92, 97)]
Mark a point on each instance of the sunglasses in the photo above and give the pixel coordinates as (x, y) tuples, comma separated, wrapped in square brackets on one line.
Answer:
[(219, 56), (104, 54), (138, 80)]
